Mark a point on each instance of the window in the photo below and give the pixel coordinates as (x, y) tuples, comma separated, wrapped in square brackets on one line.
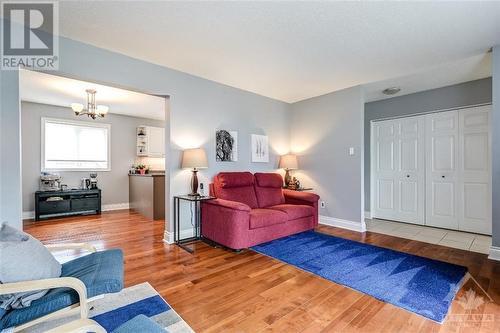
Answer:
[(75, 145)]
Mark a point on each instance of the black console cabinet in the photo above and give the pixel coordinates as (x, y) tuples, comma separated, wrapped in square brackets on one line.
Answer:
[(69, 202)]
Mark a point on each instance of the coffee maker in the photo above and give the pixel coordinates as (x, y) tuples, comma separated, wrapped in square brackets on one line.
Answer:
[(85, 183), (50, 182), (93, 181)]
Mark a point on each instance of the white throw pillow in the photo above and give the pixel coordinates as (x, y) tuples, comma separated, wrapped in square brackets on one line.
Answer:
[(23, 258)]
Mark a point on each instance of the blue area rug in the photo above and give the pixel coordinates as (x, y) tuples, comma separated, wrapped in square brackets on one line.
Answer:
[(115, 309), (149, 307), (420, 285)]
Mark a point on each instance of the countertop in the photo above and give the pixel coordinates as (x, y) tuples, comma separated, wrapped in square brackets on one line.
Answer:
[(153, 174)]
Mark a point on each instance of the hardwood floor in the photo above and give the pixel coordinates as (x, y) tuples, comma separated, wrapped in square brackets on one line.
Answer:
[(215, 290)]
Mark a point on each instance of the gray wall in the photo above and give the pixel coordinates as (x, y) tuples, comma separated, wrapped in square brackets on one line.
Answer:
[(464, 94), (323, 128), (114, 183), (1, 146), (10, 158), (496, 145), (197, 108)]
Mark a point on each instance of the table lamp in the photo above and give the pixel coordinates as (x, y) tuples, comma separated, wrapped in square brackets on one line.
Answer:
[(288, 162), (194, 159)]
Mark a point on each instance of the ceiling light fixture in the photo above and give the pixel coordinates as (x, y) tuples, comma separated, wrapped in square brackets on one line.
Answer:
[(391, 90), (93, 110)]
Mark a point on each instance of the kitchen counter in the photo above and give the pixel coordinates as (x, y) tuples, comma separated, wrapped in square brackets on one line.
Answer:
[(147, 194), (153, 174)]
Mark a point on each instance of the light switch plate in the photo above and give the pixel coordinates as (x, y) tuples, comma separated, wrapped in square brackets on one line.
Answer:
[(351, 151)]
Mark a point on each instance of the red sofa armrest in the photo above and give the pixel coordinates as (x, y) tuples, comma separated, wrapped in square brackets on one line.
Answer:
[(303, 198), (235, 205), (306, 198), (225, 222)]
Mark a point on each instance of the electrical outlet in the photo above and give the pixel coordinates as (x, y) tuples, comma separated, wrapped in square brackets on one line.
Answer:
[(322, 204)]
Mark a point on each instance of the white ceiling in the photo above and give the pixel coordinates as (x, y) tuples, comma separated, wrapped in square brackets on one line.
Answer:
[(290, 50), (473, 68), (55, 90)]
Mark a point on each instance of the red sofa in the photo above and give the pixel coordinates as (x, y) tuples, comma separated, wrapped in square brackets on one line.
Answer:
[(253, 209)]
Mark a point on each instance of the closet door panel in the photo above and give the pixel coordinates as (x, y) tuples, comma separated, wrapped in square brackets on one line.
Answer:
[(384, 163), (475, 169), (398, 169), (411, 170), (442, 171), (386, 195)]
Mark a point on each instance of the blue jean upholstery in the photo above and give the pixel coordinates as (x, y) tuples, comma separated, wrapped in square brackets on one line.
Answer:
[(101, 272), (141, 323)]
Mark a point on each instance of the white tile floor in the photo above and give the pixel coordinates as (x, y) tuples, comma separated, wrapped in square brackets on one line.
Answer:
[(455, 239)]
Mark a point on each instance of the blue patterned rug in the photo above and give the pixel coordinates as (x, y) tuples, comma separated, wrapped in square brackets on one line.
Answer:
[(115, 309), (420, 285)]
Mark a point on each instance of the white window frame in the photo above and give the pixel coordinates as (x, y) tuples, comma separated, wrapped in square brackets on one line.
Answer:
[(45, 120)]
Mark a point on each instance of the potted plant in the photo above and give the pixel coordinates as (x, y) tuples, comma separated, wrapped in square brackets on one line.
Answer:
[(141, 169)]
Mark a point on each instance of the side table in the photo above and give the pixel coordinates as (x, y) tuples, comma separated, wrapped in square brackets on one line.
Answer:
[(299, 189), (196, 202)]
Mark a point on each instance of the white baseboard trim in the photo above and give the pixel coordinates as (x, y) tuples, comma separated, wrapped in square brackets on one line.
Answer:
[(368, 214), (340, 223), (168, 236), (29, 215), (105, 208), (494, 253), (118, 206)]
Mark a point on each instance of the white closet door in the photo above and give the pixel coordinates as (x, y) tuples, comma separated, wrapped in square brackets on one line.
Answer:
[(398, 169), (384, 168), (442, 170), (411, 170), (475, 168)]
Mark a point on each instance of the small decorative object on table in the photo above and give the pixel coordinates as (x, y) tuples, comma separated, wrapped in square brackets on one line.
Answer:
[(141, 169), (294, 184)]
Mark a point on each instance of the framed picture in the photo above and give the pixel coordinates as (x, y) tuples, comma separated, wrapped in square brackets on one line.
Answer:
[(226, 146), (260, 148)]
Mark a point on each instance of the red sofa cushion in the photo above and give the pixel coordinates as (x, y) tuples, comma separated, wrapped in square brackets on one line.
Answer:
[(235, 179), (236, 186), (295, 211), (260, 218), (268, 188)]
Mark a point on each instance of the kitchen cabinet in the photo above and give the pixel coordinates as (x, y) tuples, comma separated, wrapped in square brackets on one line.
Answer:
[(150, 141)]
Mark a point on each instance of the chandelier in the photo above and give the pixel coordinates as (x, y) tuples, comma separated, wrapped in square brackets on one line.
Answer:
[(93, 110)]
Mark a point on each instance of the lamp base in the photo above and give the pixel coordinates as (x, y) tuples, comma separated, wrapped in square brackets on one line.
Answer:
[(288, 177), (194, 184)]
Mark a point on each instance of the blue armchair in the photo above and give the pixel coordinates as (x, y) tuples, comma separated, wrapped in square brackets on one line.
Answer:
[(82, 280)]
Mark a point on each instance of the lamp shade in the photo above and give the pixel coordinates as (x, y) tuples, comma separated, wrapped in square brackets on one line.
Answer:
[(194, 158), (289, 162), (77, 107)]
